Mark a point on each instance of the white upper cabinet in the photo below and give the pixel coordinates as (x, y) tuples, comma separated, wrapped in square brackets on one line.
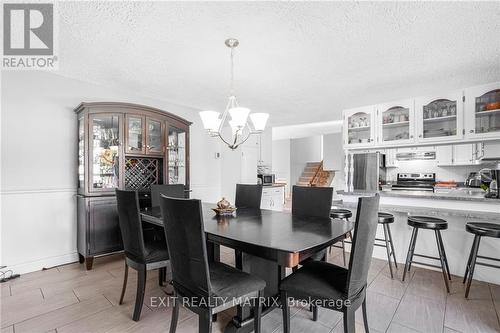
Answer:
[(396, 122), (439, 118), (360, 125), (482, 111)]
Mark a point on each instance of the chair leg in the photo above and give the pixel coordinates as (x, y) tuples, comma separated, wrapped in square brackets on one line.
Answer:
[(365, 316), (343, 251), (175, 315), (409, 254), (160, 277), (388, 249), (444, 254), (470, 259), (139, 297), (257, 312), (441, 258), (472, 265), (205, 322), (413, 249), (392, 245), (125, 278), (315, 312), (349, 325), (286, 312)]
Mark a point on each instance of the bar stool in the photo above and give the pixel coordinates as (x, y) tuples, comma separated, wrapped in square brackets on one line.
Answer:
[(385, 219), (479, 230), (342, 214), (428, 223)]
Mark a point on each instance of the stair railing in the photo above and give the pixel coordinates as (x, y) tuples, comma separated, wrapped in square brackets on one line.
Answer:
[(316, 174)]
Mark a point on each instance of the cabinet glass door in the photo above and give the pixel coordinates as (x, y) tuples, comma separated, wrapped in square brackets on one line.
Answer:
[(439, 118), (135, 135), (104, 156), (487, 112), (396, 122), (360, 126), (154, 136), (176, 156), (81, 153)]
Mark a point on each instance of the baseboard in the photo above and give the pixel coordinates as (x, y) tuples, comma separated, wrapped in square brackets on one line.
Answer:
[(40, 264)]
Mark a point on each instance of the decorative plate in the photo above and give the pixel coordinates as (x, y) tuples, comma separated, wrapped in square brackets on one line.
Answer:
[(224, 211)]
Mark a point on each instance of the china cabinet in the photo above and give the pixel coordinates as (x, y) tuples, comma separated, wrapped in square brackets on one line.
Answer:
[(396, 123), (123, 146), (439, 118), (360, 125), (482, 110)]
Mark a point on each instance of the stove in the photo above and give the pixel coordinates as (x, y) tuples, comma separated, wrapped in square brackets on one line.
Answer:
[(415, 182)]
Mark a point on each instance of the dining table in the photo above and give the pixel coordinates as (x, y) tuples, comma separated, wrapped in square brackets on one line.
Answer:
[(269, 242)]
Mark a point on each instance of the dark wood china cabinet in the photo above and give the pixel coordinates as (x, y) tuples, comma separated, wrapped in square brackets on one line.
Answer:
[(124, 146)]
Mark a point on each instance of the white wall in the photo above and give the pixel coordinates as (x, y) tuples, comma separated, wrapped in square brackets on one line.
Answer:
[(281, 160), (302, 151), (38, 166)]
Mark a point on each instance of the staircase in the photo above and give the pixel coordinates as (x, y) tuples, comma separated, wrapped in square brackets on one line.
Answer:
[(315, 175)]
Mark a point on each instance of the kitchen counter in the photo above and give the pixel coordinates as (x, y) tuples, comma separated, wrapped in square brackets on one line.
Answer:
[(457, 207), (460, 194)]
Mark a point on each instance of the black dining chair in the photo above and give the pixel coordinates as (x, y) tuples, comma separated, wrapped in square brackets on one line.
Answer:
[(170, 190), (141, 255), (205, 288), (334, 287), (312, 202), (248, 196)]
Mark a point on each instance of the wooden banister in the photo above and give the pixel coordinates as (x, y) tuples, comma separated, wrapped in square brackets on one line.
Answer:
[(316, 174)]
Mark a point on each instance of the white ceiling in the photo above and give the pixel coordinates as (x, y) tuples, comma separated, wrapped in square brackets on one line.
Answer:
[(300, 61)]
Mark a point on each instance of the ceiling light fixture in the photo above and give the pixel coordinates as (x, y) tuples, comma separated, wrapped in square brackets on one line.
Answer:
[(241, 130)]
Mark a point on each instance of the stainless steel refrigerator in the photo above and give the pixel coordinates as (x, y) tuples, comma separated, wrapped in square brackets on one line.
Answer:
[(365, 171)]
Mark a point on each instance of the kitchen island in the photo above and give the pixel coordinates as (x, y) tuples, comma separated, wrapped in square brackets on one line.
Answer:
[(458, 207)]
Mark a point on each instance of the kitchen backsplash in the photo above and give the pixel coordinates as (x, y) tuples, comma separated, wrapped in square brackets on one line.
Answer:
[(456, 173)]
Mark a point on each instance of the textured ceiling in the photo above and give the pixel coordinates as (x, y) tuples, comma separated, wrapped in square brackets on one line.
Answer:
[(299, 61)]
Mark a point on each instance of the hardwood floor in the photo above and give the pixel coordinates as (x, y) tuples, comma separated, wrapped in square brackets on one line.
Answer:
[(70, 299)]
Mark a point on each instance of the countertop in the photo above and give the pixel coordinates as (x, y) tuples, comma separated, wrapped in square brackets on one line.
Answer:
[(459, 194)]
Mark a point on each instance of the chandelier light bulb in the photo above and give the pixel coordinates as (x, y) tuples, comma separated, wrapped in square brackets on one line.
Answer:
[(211, 120), (239, 116)]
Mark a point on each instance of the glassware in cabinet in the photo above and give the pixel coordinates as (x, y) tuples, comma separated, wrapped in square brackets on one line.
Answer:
[(105, 152), (134, 137), (482, 110), (359, 125), (176, 156), (154, 130), (439, 119), (396, 122)]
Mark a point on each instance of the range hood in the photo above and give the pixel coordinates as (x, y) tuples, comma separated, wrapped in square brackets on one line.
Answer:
[(416, 155)]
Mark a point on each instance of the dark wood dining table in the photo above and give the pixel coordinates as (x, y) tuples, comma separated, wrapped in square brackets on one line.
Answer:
[(269, 242)]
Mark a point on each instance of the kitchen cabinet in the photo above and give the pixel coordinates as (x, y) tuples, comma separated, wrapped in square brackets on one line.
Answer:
[(453, 155), (390, 158), (123, 146), (396, 122), (482, 111), (360, 127), (273, 198), (439, 118)]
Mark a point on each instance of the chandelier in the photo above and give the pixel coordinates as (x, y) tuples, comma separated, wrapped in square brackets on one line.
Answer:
[(241, 129)]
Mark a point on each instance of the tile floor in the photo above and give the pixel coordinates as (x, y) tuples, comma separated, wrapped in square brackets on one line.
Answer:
[(70, 299)]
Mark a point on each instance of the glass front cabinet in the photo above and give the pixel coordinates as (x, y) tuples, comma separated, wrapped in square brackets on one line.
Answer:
[(439, 118), (482, 110), (361, 126), (395, 122), (124, 146)]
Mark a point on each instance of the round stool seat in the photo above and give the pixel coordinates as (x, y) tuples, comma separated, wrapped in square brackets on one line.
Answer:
[(385, 218), (483, 229), (427, 222), (340, 213)]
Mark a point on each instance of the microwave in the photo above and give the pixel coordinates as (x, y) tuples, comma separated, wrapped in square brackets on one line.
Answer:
[(266, 179)]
